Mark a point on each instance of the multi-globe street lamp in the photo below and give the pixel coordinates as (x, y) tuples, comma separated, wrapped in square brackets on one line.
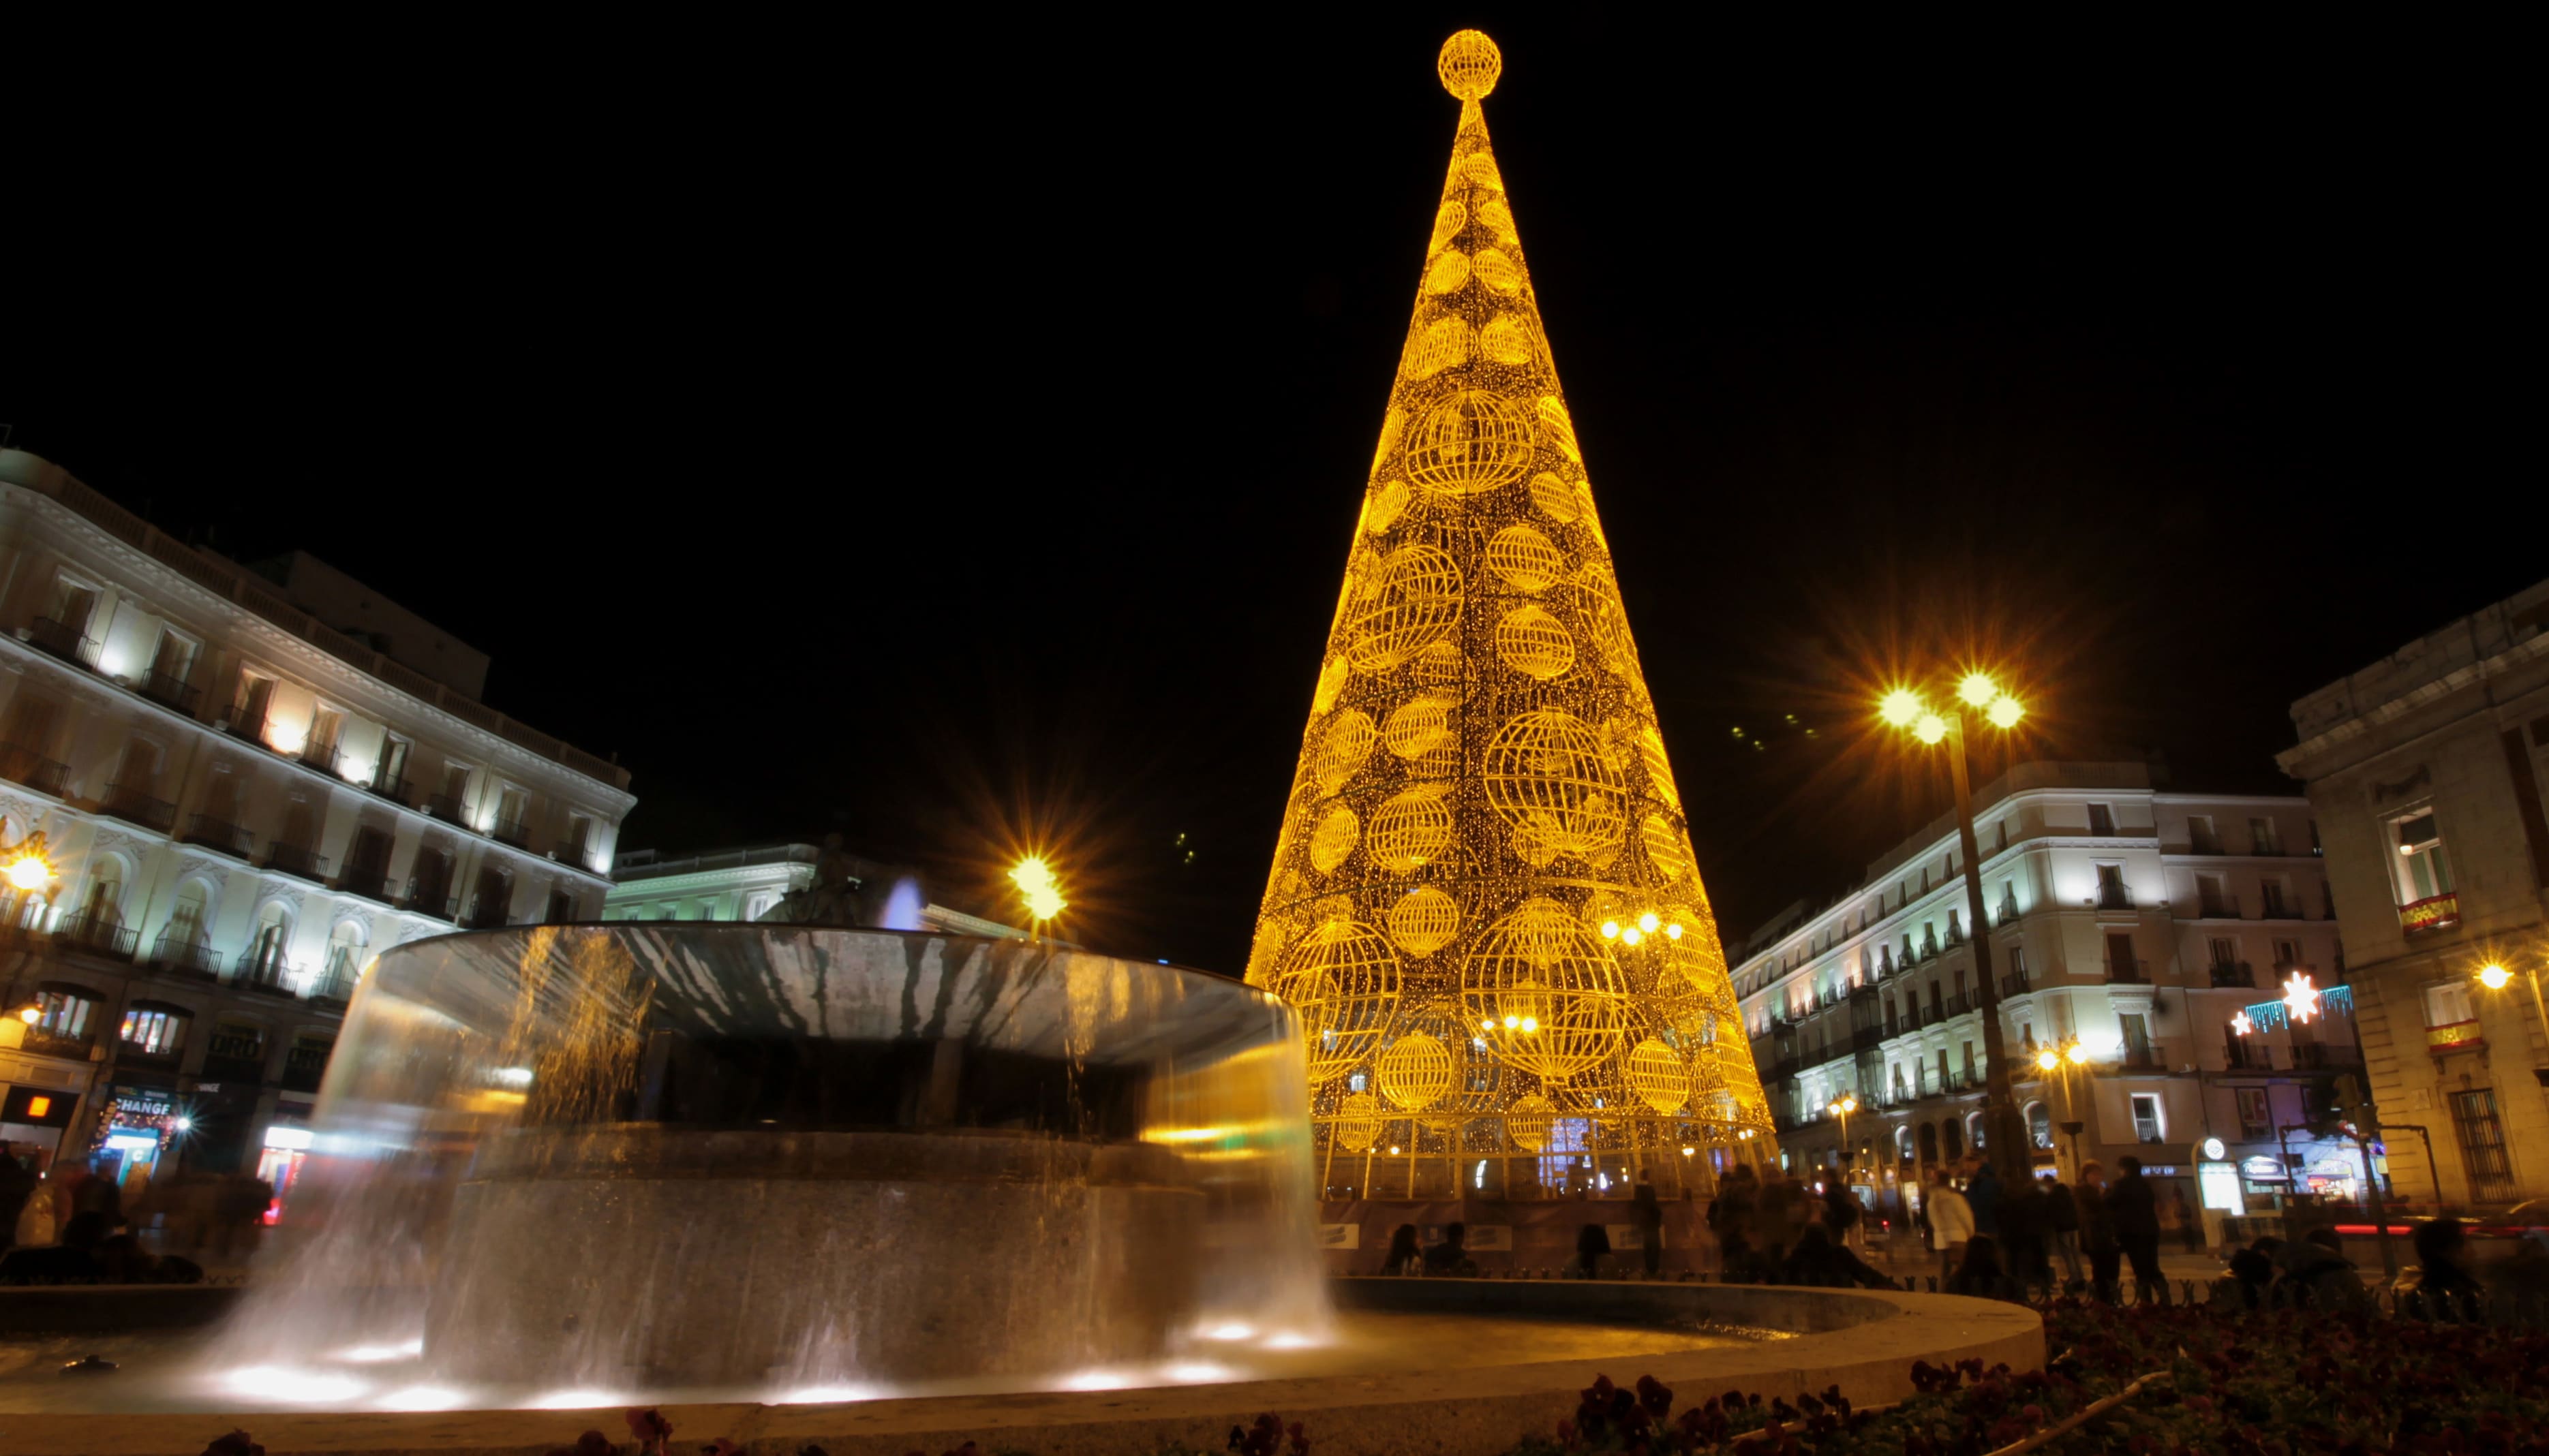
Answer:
[(2494, 975), (1841, 1107), (2059, 1061), (1979, 694)]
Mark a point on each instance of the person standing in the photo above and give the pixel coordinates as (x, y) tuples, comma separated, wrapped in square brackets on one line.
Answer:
[(1951, 1226), (2098, 1232), (1648, 1216), (1982, 1194), (1730, 1217), (1772, 1209), (1841, 1212), (2063, 1228), (2136, 1214)]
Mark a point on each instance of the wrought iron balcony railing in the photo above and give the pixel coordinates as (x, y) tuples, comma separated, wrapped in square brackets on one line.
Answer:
[(446, 807), (21, 765), (219, 834), (103, 934), (512, 832), (186, 952), (170, 691), (135, 805), (298, 861), (70, 644)]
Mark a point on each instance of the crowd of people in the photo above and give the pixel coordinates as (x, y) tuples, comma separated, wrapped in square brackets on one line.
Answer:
[(1994, 1241), (76, 1222)]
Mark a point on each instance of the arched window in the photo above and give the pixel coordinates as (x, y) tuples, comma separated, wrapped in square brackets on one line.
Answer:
[(186, 917), (105, 903), (2040, 1125), (66, 1009), (264, 958), (345, 955), (156, 1029), (1930, 1142), (1974, 1130), (1952, 1134), (1903, 1145)]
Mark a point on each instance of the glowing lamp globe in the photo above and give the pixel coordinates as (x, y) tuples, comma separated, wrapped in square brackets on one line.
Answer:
[(1977, 689), (2048, 1059), (1929, 728), (2004, 712), (2079, 1055), (1899, 707), (27, 872), (2494, 978)]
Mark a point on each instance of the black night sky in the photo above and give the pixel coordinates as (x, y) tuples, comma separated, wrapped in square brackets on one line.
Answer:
[(952, 437)]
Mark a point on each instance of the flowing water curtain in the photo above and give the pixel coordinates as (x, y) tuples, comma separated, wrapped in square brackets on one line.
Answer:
[(1483, 786)]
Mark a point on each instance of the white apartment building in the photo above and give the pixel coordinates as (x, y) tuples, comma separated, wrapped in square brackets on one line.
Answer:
[(2133, 921), (745, 883), (247, 785)]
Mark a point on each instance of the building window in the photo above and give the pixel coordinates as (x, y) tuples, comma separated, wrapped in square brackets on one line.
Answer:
[(2276, 893), (2000, 836), (2147, 1124), (344, 954), (2421, 877), (2122, 963), (2288, 953), (2112, 894), (2137, 1044), (1902, 1143), (1968, 1063), (2101, 820), (2018, 964), (1943, 1070), (2200, 836), (2264, 838), (248, 710), (1952, 1136), (237, 1042), (2256, 1115), (65, 1012), (2213, 898), (2448, 1004), (154, 1031), (2482, 1140), (2225, 951), (1974, 1130), (2040, 1125)]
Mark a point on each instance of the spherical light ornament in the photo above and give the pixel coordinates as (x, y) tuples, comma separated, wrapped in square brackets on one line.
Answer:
[(1411, 601), (1440, 665), (1415, 1071), (2005, 712), (1468, 64), (1533, 643), (1449, 220), (1450, 273), (1542, 966), (1659, 779), (1359, 1121), (1344, 749), (1559, 429), (1412, 830), (1658, 1077), (1496, 270), (1665, 848), (1597, 601), (1473, 441), (1527, 560), (1332, 681), (1424, 921), (1342, 982), (1420, 728), (1478, 168), (1506, 339), (1556, 497), (1529, 1121), (1446, 343), (1334, 839), (1498, 217), (1390, 424), (1389, 503), (1548, 777)]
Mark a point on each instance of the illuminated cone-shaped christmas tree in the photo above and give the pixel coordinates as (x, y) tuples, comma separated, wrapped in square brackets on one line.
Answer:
[(1484, 903)]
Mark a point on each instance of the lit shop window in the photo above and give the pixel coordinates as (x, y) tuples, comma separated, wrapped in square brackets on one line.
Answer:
[(2421, 874)]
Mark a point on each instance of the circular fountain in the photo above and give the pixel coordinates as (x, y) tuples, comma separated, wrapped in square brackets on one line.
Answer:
[(631, 1158)]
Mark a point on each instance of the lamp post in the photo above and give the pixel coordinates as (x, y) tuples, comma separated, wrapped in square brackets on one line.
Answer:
[(1039, 890), (28, 867), (1901, 709), (2060, 1060), (2493, 976), (1841, 1107)]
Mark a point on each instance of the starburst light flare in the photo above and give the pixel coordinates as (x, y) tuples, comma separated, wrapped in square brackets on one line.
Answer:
[(1483, 899)]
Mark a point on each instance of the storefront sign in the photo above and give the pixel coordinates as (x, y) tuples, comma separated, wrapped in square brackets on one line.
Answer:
[(38, 1108), (1339, 1235), (292, 1140), (2263, 1168), (135, 1107)]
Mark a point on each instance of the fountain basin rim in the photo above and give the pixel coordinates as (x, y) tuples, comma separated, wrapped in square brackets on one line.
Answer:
[(1865, 1343)]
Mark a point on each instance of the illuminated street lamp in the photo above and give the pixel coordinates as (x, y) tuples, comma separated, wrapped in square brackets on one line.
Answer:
[(1841, 1107), (2057, 1061), (2005, 1134), (2493, 976), (1037, 886), (26, 863)]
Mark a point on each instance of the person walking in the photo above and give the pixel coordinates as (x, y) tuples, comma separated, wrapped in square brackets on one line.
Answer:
[(2136, 1213), (1648, 1216), (2098, 1233), (1841, 1216), (2022, 1232), (17, 1189), (1592, 1247), (2063, 1228), (1730, 1217), (1951, 1226), (1773, 1209)]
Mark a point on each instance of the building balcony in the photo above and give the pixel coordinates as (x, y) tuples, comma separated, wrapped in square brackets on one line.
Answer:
[(27, 766), (2321, 1057), (372, 881), (2435, 912), (2137, 974), (53, 1044), (336, 985), (2204, 844), (2015, 983), (446, 807), (2217, 909), (2114, 898), (321, 757), (579, 852), (512, 832), (240, 725), (128, 1053), (218, 1067), (100, 934), (391, 787), (2458, 1035), (70, 644), (169, 691), (134, 805), (431, 899), (297, 861), (185, 955), (2233, 977), (2242, 1056), (267, 973), (220, 834), (2141, 1060)]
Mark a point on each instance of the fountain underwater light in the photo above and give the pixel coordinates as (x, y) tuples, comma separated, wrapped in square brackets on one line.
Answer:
[(791, 1157)]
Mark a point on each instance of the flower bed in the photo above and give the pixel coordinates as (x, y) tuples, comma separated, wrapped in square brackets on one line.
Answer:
[(2148, 1382)]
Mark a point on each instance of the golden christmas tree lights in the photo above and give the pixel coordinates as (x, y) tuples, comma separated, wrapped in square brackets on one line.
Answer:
[(1483, 902)]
